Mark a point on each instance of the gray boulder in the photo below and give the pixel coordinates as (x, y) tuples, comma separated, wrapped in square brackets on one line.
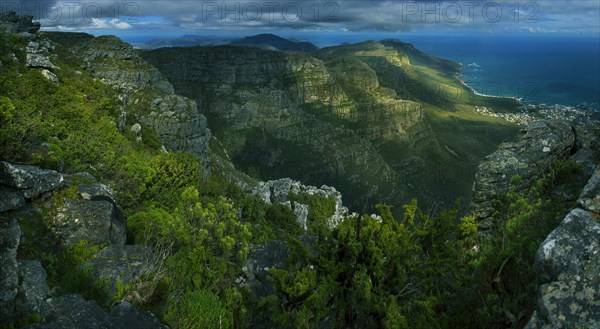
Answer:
[(125, 316), (94, 217), (590, 196), (32, 181), (12, 23), (96, 222), (72, 311), (571, 251), (260, 260), (33, 289), (568, 270), (10, 235), (538, 146), (50, 76), (11, 199), (123, 264), (37, 53)]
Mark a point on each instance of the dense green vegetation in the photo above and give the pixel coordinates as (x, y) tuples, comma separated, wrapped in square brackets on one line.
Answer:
[(418, 270)]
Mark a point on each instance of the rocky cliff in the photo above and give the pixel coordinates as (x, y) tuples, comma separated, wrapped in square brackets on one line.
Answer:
[(336, 117), (12, 23), (273, 110), (71, 209), (568, 266), (566, 263), (535, 150), (147, 97)]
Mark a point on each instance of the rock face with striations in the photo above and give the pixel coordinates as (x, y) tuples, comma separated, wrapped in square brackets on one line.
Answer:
[(568, 267), (146, 94), (272, 106), (537, 147)]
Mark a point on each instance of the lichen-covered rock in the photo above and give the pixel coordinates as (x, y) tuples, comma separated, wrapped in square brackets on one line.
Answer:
[(123, 264), (72, 311), (93, 221), (38, 54), (33, 289), (567, 267), (31, 181), (279, 191), (590, 196), (11, 199), (570, 304), (539, 146), (572, 250), (10, 235)]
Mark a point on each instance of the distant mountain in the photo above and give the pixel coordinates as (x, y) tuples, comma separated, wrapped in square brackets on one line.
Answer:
[(274, 42), (186, 41), (263, 41)]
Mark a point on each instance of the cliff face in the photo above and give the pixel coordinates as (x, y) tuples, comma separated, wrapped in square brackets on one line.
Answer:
[(320, 119), (366, 118), (147, 95), (535, 150)]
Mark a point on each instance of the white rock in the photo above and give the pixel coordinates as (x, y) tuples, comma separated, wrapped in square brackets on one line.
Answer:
[(137, 128), (50, 76)]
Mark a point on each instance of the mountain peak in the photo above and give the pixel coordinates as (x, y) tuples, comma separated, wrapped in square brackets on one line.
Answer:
[(275, 42)]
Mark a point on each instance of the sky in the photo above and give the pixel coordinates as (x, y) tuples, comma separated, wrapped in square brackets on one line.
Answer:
[(306, 19)]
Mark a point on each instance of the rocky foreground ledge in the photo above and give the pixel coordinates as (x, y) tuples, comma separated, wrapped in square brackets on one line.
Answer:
[(568, 267), (537, 147), (87, 212), (568, 261)]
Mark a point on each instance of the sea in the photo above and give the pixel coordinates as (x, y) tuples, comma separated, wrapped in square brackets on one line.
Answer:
[(538, 69)]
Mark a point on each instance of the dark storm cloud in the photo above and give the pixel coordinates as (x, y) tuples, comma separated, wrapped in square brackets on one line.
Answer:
[(375, 15)]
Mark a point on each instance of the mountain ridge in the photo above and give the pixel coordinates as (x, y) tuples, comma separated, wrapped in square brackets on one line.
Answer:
[(361, 91)]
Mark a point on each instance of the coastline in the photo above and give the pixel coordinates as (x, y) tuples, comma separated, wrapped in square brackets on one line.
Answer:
[(459, 76)]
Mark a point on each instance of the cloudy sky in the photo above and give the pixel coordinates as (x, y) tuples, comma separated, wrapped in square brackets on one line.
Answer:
[(158, 18)]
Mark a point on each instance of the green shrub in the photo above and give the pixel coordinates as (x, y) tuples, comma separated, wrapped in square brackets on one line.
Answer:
[(198, 309)]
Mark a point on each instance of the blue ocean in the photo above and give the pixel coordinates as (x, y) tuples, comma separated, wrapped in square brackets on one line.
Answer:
[(535, 68)]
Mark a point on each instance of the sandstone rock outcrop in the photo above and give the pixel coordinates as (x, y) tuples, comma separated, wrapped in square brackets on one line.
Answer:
[(85, 212), (38, 54), (21, 182), (12, 23), (568, 268), (280, 191), (538, 146)]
